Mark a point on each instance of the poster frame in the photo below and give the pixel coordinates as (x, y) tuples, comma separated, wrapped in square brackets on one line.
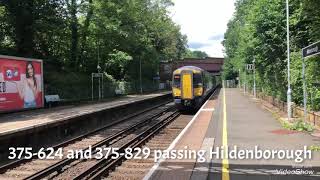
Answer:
[(16, 58)]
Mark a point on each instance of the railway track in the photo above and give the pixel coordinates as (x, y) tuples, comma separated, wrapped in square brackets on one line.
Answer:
[(136, 169), (102, 167), (36, 169)]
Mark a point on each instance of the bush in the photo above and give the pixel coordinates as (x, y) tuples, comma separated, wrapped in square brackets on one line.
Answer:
[(299, 126), (77, 86)]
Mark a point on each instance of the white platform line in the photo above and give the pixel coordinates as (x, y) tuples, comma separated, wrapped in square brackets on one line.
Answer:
[(200, 168), (208, 109), (175, 141)]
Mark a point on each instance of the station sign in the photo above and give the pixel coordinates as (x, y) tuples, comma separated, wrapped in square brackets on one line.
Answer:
[(21, 83), (313, 49), (250, 67)]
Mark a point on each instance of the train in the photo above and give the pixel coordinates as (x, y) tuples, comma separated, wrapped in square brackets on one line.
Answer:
[(191, 85)]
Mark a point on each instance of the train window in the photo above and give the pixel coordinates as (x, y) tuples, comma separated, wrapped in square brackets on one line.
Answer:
[(197, 80), (176, 81)]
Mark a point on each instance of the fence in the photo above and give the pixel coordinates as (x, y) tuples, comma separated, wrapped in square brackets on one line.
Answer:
[(312, 117), (80, 90), (230, 84)]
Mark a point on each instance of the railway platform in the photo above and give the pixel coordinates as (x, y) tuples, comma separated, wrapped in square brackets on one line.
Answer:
[(230, 119), (36, 128), (20, 121)]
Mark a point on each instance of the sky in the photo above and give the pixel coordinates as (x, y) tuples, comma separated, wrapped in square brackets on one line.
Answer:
[(204, 22)]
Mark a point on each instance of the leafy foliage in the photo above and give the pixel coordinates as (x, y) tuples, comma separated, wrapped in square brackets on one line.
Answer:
[(258, 31), (299, 125), (195, 54), (78, 36), (314, 148)]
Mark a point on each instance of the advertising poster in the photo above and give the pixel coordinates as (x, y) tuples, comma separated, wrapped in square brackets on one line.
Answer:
[(20, 83)]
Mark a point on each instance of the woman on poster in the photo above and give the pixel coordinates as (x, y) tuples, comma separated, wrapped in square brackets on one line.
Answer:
[(29, 87)]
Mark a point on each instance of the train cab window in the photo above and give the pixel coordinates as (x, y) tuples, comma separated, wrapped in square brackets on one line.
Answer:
[(197, 80), (176, 81)]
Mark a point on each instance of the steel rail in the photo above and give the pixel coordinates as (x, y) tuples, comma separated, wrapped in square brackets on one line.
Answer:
[(61, 164), (104, 165), (16, 163)]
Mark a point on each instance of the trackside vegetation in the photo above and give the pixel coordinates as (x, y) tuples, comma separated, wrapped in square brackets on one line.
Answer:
[(258, 31), (75, 38)]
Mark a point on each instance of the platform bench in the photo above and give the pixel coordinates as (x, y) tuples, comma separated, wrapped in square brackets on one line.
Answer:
[(52, 100)]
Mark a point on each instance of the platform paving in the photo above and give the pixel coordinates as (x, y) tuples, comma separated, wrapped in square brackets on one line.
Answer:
[(238, 120), (250, 125), (19, 121), (190, 139)]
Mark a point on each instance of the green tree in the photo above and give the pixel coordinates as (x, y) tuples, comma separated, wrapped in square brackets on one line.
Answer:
[(74, 37), (195, 54), (258, 31)]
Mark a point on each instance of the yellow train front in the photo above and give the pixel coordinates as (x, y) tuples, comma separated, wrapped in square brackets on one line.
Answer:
[(190, 86)]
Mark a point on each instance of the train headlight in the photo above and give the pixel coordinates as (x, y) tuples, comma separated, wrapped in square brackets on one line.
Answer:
[(198, 91), (176, 92)]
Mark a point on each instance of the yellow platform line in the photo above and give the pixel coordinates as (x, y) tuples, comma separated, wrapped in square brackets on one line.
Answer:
[(225, 162)]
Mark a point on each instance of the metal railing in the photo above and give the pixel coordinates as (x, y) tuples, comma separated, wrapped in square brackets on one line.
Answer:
[(312, 116)]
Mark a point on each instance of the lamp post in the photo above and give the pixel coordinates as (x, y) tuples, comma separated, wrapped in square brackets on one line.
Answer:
[(254, 78), (245, 81), (99, 68), (288, 65), (99, 87), (239, 80), (140, 75)]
